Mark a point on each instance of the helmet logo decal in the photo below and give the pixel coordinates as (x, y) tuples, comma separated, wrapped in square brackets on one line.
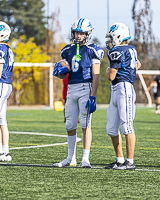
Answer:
[(89, 25), (113, 28), (2, 27)]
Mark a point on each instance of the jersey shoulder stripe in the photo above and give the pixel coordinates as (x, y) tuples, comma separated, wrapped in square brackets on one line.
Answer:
[(97, 50), (68, 46)]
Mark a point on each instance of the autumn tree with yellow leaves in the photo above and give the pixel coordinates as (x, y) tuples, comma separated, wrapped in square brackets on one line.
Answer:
[(29, 79)]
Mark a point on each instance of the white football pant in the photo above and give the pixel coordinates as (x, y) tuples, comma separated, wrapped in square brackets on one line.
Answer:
[(121, 109), (77, 97), (5, 91)]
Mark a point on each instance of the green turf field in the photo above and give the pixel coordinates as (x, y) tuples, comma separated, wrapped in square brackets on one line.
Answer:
[(30, 174)]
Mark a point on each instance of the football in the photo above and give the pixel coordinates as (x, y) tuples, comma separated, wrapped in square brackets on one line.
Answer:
[(64, 62)]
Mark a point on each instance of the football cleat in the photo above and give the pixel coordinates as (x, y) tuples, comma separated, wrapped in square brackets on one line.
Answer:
[(65, 163), (113, 165), (126, 166), (85, 164), (2, 157), (8, 157)]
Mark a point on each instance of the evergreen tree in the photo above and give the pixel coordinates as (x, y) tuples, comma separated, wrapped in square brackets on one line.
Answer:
[(25, 17)]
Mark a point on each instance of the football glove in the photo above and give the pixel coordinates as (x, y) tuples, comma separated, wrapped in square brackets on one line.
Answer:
[(91, 104), (58, 70)]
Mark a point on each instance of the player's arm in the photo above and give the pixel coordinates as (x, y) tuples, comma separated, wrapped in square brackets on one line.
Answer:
[(91, 103), (95, 74), (111, 73), (1, 68), (138, 64)]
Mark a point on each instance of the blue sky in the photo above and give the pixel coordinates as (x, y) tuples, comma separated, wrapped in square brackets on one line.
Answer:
[(96, 12)]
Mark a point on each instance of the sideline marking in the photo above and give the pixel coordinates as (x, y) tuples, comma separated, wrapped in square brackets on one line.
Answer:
[(39, 146), (51, 166)]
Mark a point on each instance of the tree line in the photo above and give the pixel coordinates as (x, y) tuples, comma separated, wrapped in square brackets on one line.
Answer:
[(32, 40)]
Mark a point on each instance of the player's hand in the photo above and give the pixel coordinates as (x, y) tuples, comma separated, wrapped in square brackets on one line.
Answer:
[(91, 104), (59, 70)]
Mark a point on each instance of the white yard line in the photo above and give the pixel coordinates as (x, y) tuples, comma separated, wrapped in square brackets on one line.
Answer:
[(39, 146), (51, 166)]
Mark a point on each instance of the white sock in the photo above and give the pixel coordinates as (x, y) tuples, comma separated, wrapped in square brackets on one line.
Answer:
[(120, 159), (72, 147), (5, 149), (1, 151), (86, 153), (130, 160)]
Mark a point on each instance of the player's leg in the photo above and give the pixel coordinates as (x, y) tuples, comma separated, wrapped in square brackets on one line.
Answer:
[(112, 128), (130, 146), (87, 139), (6, 90), (5, 146), (2, 156), (117, 144), (85, 121), (71, 115), (126, 106), (158, 103)]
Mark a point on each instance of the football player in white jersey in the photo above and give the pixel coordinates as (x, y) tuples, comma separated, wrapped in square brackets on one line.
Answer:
[(6, 68), (84, 59), (121, 110)]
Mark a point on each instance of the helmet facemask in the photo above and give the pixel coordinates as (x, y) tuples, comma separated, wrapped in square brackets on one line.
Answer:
[(109, 41), (74, 40)]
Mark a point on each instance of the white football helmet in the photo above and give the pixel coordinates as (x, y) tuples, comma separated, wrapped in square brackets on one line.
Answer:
[(81, 25), (4, 31), (118, 32)]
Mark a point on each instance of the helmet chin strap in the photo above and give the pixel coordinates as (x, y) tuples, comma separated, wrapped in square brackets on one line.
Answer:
[(80, 42)]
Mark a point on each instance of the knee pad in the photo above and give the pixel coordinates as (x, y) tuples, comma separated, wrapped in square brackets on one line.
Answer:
[(111, 132), (69, 126)]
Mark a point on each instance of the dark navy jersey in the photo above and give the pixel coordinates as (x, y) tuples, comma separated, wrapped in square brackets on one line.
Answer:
[(124, 59), (7, 58), (81, 71)]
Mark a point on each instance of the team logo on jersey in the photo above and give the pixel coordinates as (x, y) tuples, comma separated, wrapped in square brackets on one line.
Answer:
[(69, 51), (115, 55)]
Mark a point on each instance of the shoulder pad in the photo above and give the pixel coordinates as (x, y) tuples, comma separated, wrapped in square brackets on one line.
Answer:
[(98, 49)]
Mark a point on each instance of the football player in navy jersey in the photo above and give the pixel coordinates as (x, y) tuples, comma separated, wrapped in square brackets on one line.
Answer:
[(6, 68), (84, 59), (121, 111), (155, 85)]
